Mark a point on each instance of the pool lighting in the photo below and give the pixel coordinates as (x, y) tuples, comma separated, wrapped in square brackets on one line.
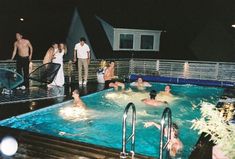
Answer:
[(8, 146)]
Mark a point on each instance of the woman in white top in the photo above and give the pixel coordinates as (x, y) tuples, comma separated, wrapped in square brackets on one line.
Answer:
[(58, 58)]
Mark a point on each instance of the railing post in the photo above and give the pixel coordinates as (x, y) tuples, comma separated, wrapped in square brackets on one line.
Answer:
[(217, 71), (131, 68)]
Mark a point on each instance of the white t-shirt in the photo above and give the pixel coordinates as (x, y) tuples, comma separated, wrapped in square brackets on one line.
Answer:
[(82, 51)]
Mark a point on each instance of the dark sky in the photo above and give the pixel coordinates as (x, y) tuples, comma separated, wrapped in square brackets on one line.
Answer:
[(195, 29)]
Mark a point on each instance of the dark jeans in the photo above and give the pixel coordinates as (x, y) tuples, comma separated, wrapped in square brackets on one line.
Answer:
[(22, 64)]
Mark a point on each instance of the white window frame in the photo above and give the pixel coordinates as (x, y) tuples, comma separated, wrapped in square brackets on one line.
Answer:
[(137, 33)]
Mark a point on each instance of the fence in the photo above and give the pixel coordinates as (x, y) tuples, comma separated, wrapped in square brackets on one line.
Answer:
[(221, 71)]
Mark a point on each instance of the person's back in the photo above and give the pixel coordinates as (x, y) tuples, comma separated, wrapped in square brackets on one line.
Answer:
[(48, 56), (109, 72), (152, 101)]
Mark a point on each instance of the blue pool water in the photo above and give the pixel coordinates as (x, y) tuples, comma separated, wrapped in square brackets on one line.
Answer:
[(101, 124)]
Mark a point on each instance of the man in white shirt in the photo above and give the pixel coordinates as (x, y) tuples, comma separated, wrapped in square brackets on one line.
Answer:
[(82, 52)]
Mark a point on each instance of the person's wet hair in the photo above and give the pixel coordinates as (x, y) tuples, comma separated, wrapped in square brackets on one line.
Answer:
[(140, 77), (175, 129), (76, 91), (168, 86), (153, 94)]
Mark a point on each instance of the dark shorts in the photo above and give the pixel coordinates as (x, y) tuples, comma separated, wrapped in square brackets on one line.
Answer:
[(108, 82), (112, 81)]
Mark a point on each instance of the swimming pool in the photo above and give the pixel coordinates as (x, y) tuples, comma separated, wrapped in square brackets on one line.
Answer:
[(101, 123)]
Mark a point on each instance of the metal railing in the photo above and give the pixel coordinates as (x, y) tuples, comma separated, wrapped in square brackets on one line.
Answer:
[(125, 140), (206, 70), (166, 115)]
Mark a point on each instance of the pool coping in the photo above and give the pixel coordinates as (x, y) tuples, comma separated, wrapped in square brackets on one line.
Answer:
[(181, 80), (30, 142)]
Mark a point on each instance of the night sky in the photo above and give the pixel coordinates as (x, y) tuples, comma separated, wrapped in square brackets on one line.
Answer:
[(195, 29)]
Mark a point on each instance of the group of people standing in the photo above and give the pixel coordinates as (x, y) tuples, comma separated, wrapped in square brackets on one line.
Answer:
[(55, 55), (23, 52)]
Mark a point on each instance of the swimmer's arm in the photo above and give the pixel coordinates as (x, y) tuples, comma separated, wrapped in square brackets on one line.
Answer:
[(146, 84), (133, 84), (143, 100), (148, 124)]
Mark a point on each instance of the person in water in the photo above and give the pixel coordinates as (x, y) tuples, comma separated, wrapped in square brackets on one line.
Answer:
[(140, 84), (77, 100), (167, 91), (175, 145), (152, 101)]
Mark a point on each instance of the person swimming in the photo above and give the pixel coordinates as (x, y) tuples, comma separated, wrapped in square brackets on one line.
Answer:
[(140, 84), (152, 101), (166, 92), (175, 145), (76, 112), (77, 100)]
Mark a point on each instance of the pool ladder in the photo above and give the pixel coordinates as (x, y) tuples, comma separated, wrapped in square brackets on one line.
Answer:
[(124, 154), (166, 115)]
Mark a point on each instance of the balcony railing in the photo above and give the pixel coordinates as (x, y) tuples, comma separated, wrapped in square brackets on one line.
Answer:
[(207, 70)]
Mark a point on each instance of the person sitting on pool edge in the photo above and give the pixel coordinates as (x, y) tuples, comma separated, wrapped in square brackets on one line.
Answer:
[(140, 83), (110, 79), (175, 145), (167, 91), (77, 100), (152, 101)]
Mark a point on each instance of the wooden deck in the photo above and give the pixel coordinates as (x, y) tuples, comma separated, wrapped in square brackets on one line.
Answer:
[(38, 146)]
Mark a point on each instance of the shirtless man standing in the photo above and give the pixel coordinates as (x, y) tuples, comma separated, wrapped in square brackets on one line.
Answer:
[(24, 50)]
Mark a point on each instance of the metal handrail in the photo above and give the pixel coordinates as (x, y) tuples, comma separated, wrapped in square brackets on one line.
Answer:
[(166, 113), (124, 154)]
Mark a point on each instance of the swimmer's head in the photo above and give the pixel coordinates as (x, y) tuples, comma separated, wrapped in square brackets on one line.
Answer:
[(168, 88), (75, 93), (139, 79), (175, 129), (153, 94)]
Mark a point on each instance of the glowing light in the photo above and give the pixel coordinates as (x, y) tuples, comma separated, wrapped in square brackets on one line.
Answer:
[(233, 25), (186, 69), (73, 113), (8, 146), (22, 19)]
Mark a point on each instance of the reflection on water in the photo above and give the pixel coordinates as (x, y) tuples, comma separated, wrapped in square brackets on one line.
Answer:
[(56, 91), (73, 113)]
